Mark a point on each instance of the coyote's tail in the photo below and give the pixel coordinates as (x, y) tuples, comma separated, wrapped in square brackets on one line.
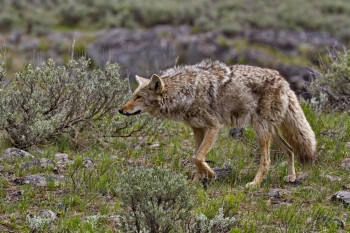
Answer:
[(299, 133)]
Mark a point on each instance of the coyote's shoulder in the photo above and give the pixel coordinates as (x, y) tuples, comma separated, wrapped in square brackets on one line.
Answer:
[(210, 94)]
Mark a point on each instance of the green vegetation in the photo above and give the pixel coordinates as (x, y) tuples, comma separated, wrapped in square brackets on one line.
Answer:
[(332, 88), (142, 181), (48, 102), (95, 199), (229, 16), (154, 200)]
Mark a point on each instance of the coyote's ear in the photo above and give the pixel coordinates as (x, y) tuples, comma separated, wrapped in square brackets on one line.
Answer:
[(156, 84), (141, 80)]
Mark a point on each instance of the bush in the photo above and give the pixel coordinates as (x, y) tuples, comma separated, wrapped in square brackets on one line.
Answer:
[(331, 89), (44, 102), (154, 200), (219, 223)]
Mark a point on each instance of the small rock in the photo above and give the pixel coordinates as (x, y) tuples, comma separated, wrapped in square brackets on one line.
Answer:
[(275, 193), (14, 153), (62, 159), (38, 180), (346, 186), (41, 162), (35, 180), (41, 219), (345, 163), (236, 132), (222, 172), (331, 178), (88, 163), (342, 196)]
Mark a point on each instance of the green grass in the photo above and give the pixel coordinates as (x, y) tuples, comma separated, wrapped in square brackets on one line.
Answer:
[(86, 200)]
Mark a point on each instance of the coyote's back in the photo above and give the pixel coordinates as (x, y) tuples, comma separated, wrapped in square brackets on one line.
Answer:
[(211, 94)]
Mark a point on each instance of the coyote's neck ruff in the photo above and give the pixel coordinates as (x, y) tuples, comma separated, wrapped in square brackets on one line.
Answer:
[(211, 94)]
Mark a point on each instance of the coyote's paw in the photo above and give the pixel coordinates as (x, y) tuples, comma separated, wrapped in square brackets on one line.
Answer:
[(289, 178), (203, 169)]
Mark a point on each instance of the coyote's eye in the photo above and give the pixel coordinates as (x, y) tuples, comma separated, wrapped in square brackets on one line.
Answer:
[(138, 97)]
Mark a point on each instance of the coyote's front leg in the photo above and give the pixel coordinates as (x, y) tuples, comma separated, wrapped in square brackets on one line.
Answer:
[(204, 139)]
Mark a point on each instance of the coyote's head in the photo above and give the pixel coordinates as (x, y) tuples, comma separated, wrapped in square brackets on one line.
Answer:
[(146, 97)]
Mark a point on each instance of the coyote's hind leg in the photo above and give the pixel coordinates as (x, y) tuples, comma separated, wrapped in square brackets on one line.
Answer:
[(288, 150), (264, 141)]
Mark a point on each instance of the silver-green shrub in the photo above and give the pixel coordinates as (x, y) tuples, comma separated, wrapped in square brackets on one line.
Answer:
[(220, 223), (332, 88), (41, 103), (154, 200)]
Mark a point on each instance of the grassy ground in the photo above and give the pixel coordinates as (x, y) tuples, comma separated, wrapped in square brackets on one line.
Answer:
[(86, 200)]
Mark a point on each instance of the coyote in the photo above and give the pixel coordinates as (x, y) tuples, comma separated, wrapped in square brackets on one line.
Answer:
[(211, 94)]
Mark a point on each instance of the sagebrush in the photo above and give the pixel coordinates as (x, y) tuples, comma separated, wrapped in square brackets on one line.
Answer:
[(331, 90), (154, 200), (41, 103), (220, 223)]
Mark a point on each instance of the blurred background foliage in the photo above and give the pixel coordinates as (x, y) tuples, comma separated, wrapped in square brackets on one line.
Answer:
[(226, 15)]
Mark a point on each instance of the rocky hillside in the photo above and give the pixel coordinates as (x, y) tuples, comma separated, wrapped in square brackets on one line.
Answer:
[(291, 37), (148, 51)]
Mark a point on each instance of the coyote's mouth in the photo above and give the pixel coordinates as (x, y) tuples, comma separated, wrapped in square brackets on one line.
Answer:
[(131, 114)]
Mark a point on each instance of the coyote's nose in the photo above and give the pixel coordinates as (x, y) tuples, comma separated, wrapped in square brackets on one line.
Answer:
[(121, 111)]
